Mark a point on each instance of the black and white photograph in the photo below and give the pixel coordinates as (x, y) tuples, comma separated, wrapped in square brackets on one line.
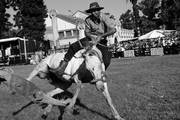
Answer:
[(89, 60)]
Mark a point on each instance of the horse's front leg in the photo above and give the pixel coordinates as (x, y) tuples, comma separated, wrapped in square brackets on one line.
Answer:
[(102, 86), (36, 71), (73, 100)]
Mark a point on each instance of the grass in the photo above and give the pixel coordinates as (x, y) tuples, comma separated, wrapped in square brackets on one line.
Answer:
[(142, 88)]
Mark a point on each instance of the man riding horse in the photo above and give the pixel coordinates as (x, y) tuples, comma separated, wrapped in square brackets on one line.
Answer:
[(97, 27), (77, 61)]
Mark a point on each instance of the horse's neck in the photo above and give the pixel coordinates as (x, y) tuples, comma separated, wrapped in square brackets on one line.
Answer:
[(53, 60), (96, 52), (75, 63), (78, 59)]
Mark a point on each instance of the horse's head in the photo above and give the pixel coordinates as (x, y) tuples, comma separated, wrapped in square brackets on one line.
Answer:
[(94, 64)]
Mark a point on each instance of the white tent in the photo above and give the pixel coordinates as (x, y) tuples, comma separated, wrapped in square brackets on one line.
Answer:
[(152, 34), (11, 39), (14, 39)]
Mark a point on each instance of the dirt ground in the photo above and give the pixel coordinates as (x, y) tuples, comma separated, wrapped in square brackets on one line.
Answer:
[(142, 88)]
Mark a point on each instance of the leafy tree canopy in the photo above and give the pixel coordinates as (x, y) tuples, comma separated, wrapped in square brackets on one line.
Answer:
[(126, 20), (5, 24), (31, 17), (155, 13)]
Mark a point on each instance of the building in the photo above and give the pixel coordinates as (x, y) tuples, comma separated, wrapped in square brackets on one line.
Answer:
[(66, 27)]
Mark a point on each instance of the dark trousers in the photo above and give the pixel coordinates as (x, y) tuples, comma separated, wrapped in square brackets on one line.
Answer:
[(84, 41)]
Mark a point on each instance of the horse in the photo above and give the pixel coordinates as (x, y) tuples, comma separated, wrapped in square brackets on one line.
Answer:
[(85, 67)]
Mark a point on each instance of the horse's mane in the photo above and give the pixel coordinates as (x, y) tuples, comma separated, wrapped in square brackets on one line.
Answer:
[(81, 58), (94, 51)]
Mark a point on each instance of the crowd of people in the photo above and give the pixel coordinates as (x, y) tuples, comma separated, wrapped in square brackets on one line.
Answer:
[(170, 44)]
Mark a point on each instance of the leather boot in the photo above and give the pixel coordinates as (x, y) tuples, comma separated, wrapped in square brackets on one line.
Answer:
[(60, 69)]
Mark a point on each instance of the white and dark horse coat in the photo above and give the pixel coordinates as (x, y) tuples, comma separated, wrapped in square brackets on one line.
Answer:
[(85, 67)]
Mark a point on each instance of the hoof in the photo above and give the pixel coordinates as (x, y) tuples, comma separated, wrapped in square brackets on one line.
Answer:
[(44, 116), (76, 111), (69, 111), (47, 110), (43, 105), (72, 110), (117, 118)]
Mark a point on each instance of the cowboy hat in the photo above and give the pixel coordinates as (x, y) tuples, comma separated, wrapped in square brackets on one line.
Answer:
[(94, 7)]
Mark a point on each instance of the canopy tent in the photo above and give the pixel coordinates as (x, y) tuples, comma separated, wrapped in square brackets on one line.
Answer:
[(152, 34), (11, 39), (130, 39)]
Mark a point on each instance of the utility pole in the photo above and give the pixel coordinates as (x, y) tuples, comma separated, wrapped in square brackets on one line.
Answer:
[(53, 14), (25, 49)]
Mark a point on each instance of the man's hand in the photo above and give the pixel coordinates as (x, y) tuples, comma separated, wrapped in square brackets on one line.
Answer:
[(94, 40)]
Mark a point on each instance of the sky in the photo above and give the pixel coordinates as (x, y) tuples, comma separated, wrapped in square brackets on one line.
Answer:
[(115, 7)]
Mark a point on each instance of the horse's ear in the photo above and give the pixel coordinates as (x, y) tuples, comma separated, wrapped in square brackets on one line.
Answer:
[(10, 70), (84, 55)]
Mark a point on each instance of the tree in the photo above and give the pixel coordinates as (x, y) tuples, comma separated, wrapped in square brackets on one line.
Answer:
[(30, 19), (5, 24), (149, 8), (126, 20), (147, 25), (177, 15), (149, 21), (156, 13), (169, 12), (136, 17)]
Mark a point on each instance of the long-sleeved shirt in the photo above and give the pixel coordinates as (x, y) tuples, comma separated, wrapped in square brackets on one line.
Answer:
[(96, 28)]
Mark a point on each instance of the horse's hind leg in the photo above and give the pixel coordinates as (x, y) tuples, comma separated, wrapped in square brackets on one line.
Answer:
[(51, 94), (103, 87), (73, 100)]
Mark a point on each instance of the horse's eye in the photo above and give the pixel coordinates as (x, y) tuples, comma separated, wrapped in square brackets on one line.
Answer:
[(90, 54)]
